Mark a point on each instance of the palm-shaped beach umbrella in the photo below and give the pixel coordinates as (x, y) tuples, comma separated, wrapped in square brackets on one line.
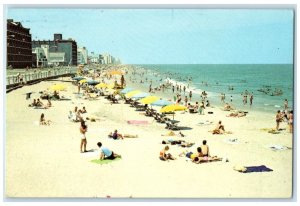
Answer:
[(149, 99), (140, 95), (161, 102), (132, 93)]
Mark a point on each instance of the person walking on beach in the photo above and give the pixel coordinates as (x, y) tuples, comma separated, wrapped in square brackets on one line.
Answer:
[(278, 119), (184, 88), (190, 95), (185, 101), (231, 98), (251, 99), (122, 81), (78, 86), (286, 104), (173, 88), (83, 130)]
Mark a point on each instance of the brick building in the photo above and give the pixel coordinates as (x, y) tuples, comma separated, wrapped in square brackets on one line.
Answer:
[(19, 50)]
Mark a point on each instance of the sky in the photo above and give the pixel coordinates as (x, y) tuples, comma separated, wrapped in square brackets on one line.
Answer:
[(170, 36)]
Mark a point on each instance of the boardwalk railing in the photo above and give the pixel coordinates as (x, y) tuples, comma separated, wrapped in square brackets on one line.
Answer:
[(38, 75)]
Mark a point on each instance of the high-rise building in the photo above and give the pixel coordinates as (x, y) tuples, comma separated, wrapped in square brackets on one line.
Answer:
[(19, 50), (82, 55), (66, 49)]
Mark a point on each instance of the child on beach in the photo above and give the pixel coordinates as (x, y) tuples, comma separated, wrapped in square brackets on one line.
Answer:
[(43, 121), (165, 157), (106, 153), (83, 130)]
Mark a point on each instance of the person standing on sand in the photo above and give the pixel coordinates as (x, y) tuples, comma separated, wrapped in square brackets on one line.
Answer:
[(286, 104), (184, 88), (251, 99), (122, 81), (278, 119), (83, 130), (290, 121), (78, 86), (190, 95), (185, 101), (173, 88)]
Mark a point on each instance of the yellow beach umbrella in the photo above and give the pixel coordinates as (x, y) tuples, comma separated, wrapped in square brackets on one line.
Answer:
[(132, 93), (101, 85), (83, 81), (172, 108), (149, 99), (115, 72), (58, 87), (110, 86)]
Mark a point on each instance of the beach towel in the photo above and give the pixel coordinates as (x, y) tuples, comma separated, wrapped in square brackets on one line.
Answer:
[(278, 147), (137, 122), (261, 168), (105, 161)]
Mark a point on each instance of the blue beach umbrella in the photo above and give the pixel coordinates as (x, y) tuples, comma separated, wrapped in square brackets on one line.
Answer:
[(140, 95), (126, 90), (161, 102), (78, 78), (92, 82)]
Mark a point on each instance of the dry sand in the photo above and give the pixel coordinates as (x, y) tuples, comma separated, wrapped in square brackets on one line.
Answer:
[(44, 161)]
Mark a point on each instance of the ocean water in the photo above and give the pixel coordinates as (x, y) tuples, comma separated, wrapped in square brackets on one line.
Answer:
[(216, 79)]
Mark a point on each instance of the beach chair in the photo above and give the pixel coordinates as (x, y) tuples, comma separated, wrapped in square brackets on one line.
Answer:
[(171, 126)]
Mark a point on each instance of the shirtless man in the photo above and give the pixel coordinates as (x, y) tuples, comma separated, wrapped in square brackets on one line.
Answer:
[(278, 119), (205, 149)]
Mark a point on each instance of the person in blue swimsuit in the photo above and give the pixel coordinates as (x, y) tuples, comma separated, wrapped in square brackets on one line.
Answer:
[(106, 153)]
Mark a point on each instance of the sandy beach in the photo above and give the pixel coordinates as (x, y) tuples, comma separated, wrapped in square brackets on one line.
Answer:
[(45, 161)]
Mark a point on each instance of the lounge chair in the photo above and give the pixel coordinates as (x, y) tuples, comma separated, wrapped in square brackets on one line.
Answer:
[(171, 126)]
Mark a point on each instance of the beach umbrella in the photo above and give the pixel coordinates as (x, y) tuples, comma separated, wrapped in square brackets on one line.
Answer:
[(110, 86), (132, 93), (140, 95), (83, 81), (115, 72), (126, 90), (149, 99), (78, 78), (172, 108), (101, 85), (92, 82), (161, 102), (58, 87)]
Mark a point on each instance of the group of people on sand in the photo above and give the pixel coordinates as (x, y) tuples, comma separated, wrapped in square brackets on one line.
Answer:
[(202, 154), (282, 116), (76, 114), (37, 103)]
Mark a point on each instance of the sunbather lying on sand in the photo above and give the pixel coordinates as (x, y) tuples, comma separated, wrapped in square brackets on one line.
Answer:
[(165, 157), (237, 114), (116, 135), (171, 133), (181, 143)]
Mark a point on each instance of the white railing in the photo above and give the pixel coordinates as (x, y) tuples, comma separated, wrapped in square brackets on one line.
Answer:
[(38, 74)]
